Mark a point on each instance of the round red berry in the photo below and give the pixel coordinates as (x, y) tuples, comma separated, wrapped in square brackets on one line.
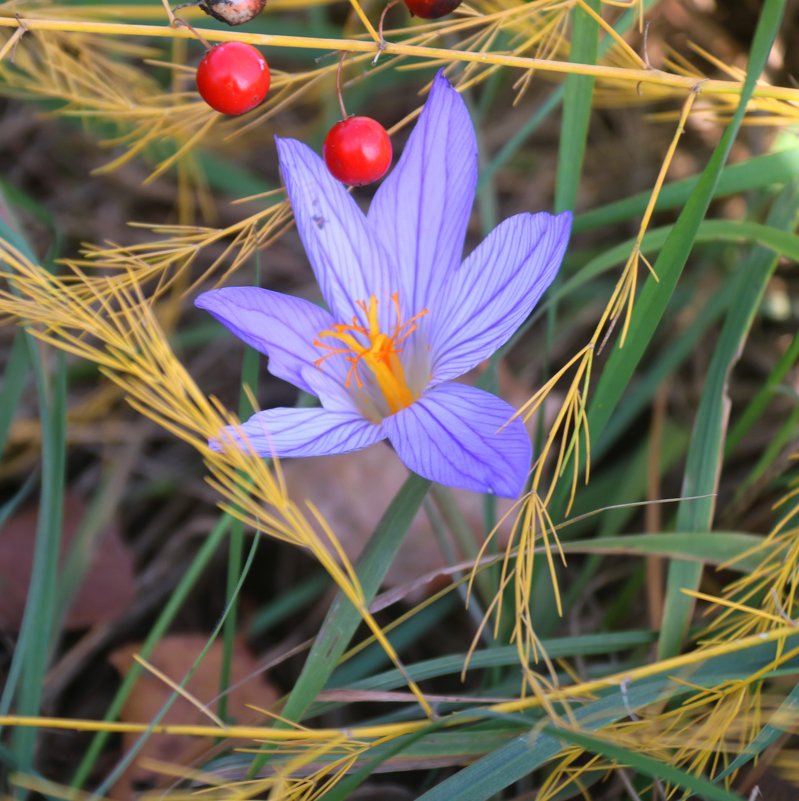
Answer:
[(431, 9), (233, 77), (357, 151)]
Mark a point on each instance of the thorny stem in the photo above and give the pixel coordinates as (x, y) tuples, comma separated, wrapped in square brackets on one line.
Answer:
[(338, 86), (170, 14), (13, 41), (177, 22), (381, 44)]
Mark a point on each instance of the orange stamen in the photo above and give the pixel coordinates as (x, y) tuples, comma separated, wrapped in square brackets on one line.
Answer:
[(380, 353)]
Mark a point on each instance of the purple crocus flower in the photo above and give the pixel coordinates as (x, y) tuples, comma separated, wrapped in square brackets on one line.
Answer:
[(405, 315)]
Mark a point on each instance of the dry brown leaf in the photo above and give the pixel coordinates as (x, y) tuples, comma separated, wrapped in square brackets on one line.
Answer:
[(353, 491), (174, 656), (108, 587)]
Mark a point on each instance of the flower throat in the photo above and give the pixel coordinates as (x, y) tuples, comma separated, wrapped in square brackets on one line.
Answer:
[(379, 354)]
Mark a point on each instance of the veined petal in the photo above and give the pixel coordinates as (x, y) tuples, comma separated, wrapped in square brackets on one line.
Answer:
[(302, 432), (421, 210), (490, 296), (329, 386), (349, 261), (281, 326), (452, 435)]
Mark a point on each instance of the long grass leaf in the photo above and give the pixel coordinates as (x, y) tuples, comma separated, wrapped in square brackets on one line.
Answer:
[(755, 173), (15, 377), (577, 96)]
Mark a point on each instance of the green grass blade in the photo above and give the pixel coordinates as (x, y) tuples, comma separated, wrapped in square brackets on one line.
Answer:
[(507, 656), (577, 96), (706, 451), (343, 619), (104, 502), (373, 658), (769, 734), (515, 143), (17, 499), (757, 406), (380, 755), (647, 381), (703, 547), (113, 776), (249, 378), (15, 377), (38, 633), (755, 173), (627, 482), (781, 440), (709, 231), (288, 603)]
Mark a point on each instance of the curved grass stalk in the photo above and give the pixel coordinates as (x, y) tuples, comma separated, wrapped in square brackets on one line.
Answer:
[(767, 598), (568, 436), (121, 335)]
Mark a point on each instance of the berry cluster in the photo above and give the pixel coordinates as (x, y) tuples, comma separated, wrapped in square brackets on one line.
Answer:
[(233, 78)]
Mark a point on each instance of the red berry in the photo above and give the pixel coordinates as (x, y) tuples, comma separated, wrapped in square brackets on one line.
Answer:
[(233, 78), (431, 9), (357, 151), (233, 12)]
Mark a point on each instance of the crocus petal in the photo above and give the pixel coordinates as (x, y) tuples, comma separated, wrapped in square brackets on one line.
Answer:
[(329, 386), (490, 296), (281, 326), (452, 435), (422, 208), (349, 261), (302, 432)]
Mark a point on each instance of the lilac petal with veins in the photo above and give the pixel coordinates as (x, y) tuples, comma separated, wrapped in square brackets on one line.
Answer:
[(281, 326), (349, 261), (421, 210), (462, 437), (495, 290), (302, 432)]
